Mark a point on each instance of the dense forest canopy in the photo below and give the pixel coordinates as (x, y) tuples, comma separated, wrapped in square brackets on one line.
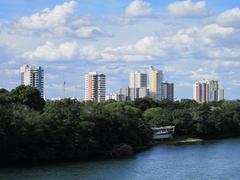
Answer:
[(33, 130)]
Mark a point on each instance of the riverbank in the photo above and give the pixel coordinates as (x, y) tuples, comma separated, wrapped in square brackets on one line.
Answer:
[(172, 141), (179, 141), (187, 140), (206, 160)]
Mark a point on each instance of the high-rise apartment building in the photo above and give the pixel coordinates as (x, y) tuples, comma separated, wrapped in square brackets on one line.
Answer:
[(207, 91), (198, 91), (95, 87), (213, 90), (33, 76), (137, 84), (220, 94), (167, 91), (155, 83), (137, 80), (133, 93), (143, 92), (125, 92)]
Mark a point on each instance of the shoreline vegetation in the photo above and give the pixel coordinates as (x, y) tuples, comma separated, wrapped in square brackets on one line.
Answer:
[(180, 141), (34, 131)]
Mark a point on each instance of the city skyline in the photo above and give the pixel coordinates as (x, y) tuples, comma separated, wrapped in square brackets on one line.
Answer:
[(189, 40), (141, 84)]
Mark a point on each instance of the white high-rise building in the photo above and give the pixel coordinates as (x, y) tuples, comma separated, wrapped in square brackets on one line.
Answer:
[(213, 90), (33, 76), (155, 83), (95, 87), (220, 94), (137, 80)]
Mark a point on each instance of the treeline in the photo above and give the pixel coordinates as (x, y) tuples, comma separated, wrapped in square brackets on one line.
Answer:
[(32, 130)]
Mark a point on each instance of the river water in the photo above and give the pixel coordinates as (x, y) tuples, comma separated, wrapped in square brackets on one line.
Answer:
[(209, 160)]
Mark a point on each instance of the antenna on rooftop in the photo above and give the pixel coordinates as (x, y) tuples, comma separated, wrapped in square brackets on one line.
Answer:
[(64, 87)]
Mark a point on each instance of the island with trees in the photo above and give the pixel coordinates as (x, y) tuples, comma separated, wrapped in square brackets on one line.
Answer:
[(34, 130)]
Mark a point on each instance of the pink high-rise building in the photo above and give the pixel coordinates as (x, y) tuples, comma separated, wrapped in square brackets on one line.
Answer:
[(95, 87)]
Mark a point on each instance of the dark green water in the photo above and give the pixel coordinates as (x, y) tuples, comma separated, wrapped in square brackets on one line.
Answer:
[(209, 160)]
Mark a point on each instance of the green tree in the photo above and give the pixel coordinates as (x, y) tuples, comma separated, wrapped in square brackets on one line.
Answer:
[(127, 123), (144, 103), (29, 96), (157, 117), (183, 122), (2, 91), (18, 131)]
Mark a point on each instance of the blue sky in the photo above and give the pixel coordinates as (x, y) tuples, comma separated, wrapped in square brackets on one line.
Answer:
[(189, 40)]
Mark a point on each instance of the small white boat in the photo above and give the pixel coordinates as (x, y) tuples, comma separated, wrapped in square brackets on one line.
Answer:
[(164, 132)]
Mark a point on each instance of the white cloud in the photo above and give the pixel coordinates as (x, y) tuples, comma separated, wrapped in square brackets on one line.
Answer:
[(180, 38), (61, 20), (138, 8), (234, 82), (214, 30), (9, 72), (147, 48), (184, 84), (89, 31), (90, 52), (230, 17), (51, 52), (224, 53), (220, 63), (201, 74), (188, 8), (215, 33), (47, 18), (169, 69)]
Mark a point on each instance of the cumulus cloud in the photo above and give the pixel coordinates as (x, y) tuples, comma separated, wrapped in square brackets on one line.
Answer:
[(169, 69), (188, 8), (146, 48), (214, 33), (50, 52), (138, 8), (184, 84), (48, 18), (90, 31), (230, 17), (234, 82), (202, 73), (222, 64), (61, 20), (9, 72), (211, 34), (214, 30), (224, 53)]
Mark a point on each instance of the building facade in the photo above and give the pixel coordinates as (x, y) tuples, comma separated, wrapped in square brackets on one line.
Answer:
[(213, 90), (143, 92), (33, 76), (155, 83), (207, 91), (116, 97), (137, 85), (95, 87), (137, 80), (220, 94), (167, 91)]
